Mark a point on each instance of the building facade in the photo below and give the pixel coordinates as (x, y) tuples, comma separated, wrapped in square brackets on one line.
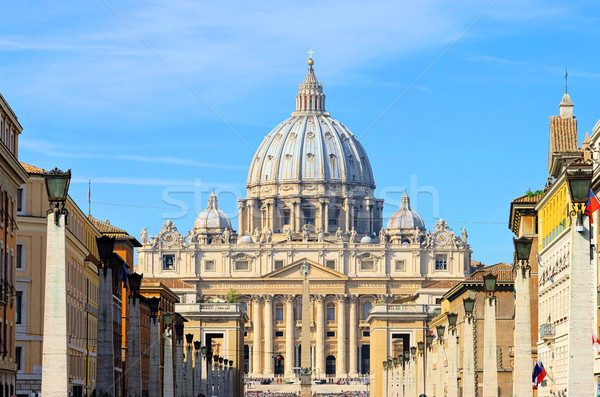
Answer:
[(310, 198), (12, 179), (82, 290)]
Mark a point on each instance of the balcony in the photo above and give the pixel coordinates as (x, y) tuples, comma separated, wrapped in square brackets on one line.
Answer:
[(547, 332)]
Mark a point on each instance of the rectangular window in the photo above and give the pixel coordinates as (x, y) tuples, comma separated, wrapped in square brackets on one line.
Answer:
[(286, 216), (366, 334), (330, 264), (441, 262), (331, 334), (330, 313), (18, 351), (400, 265), (20, 199), (279, 313), (278, 264), (168, 262), (241, 265), (18, 300), (209, 266), (279, 334), (20, 257), (366, 265)]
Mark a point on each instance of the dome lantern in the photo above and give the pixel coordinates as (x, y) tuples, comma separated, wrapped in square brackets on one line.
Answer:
[(405, 217)]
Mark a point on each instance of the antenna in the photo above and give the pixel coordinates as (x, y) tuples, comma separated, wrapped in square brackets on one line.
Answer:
[(566, 77), (89, 197)]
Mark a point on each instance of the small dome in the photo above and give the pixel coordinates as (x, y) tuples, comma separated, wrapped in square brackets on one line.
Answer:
[(246, 240), (366, 240), (212, 218), (405, 218)]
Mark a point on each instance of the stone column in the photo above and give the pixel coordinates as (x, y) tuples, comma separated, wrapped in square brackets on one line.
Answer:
[(189, 372), (341, 371), (268, 353), (420, 363), (168, 384), (326, 226), (320, 336), (430, 376), (452, 364), (134, 353), (197, 373), (208, 377), (490, 362), (105, 374), (353, 325), (297, 221), (580, 376), (256, 336), (55, 354), (215, 378), (468, 377), (440, 369), (179, 384), (154, 380), (290, 336), (522, 334)]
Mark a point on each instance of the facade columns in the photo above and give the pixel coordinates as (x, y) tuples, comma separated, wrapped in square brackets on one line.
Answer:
[(347, 213), (290, 336), (320, 337), (256, 336), (521, 380), (490, 362), (268, 351), (341, 371), (326, 226), (468, 377), (296, 216), (353, 325)]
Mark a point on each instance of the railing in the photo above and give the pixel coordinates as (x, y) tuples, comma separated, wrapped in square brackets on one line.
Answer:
[(547, 331), (401, 308)]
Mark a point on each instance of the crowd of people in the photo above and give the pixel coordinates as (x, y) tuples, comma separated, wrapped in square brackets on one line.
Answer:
[(291, 394)]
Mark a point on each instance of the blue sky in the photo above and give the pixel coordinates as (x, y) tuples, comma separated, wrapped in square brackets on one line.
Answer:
[(159, 102)]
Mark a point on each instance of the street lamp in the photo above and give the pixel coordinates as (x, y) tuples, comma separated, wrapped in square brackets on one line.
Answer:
[(469, 304), (489, 285), (421, 346), (440, 331), (452, 321), (429, 340), (154, 304), (57, 185), (579, 179), (189, 338), (413, 351)]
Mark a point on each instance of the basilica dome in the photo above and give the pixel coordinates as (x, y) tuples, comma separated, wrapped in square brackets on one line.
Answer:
[(310, 146), (212, 218), (405, 217)]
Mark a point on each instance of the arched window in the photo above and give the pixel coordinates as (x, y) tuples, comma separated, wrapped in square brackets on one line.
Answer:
[(279, 312), (330, 365), (331, 312), (367, 306)]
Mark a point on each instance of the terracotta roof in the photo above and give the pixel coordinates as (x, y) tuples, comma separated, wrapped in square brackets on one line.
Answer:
[(503, 270), (112, 231), (169, 282), (563, 135), (32, 169), (444, 284), (528, 199)]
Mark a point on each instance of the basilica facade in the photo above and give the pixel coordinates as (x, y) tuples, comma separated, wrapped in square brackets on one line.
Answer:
[(310, 199)]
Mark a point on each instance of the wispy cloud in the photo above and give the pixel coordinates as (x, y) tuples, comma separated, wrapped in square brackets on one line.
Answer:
[(530, 67)]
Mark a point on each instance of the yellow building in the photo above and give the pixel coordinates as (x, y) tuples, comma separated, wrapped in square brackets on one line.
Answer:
[(82, 290), (12, 176)]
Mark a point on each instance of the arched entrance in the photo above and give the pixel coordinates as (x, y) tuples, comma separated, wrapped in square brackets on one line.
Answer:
[(330, 365)]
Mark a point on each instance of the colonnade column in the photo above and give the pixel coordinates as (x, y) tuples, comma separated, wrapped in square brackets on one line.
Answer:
[(468, 377), (353, 324), (268, 351), (290, 336), (490, 361), (320, 342), (521, 384), (256, 336), (296, 215), (341, 340)]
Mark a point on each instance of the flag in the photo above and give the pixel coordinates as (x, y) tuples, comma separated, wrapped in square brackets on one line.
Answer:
[(596, 342), (592, 206), (542, 373), (124, 274), (431, 333), (534, 376), (514, 291)]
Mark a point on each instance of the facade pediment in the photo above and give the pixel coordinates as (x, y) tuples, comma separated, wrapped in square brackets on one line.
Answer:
[(295, 271)]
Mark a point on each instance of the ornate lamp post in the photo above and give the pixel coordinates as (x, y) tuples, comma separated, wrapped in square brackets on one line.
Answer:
[(168, 383), (490, 363), (134, 350), (54, 350), (154, 380), (469, 354), (580, 375), (197, 368), (452, 356), (189, 369), (522, 335)]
